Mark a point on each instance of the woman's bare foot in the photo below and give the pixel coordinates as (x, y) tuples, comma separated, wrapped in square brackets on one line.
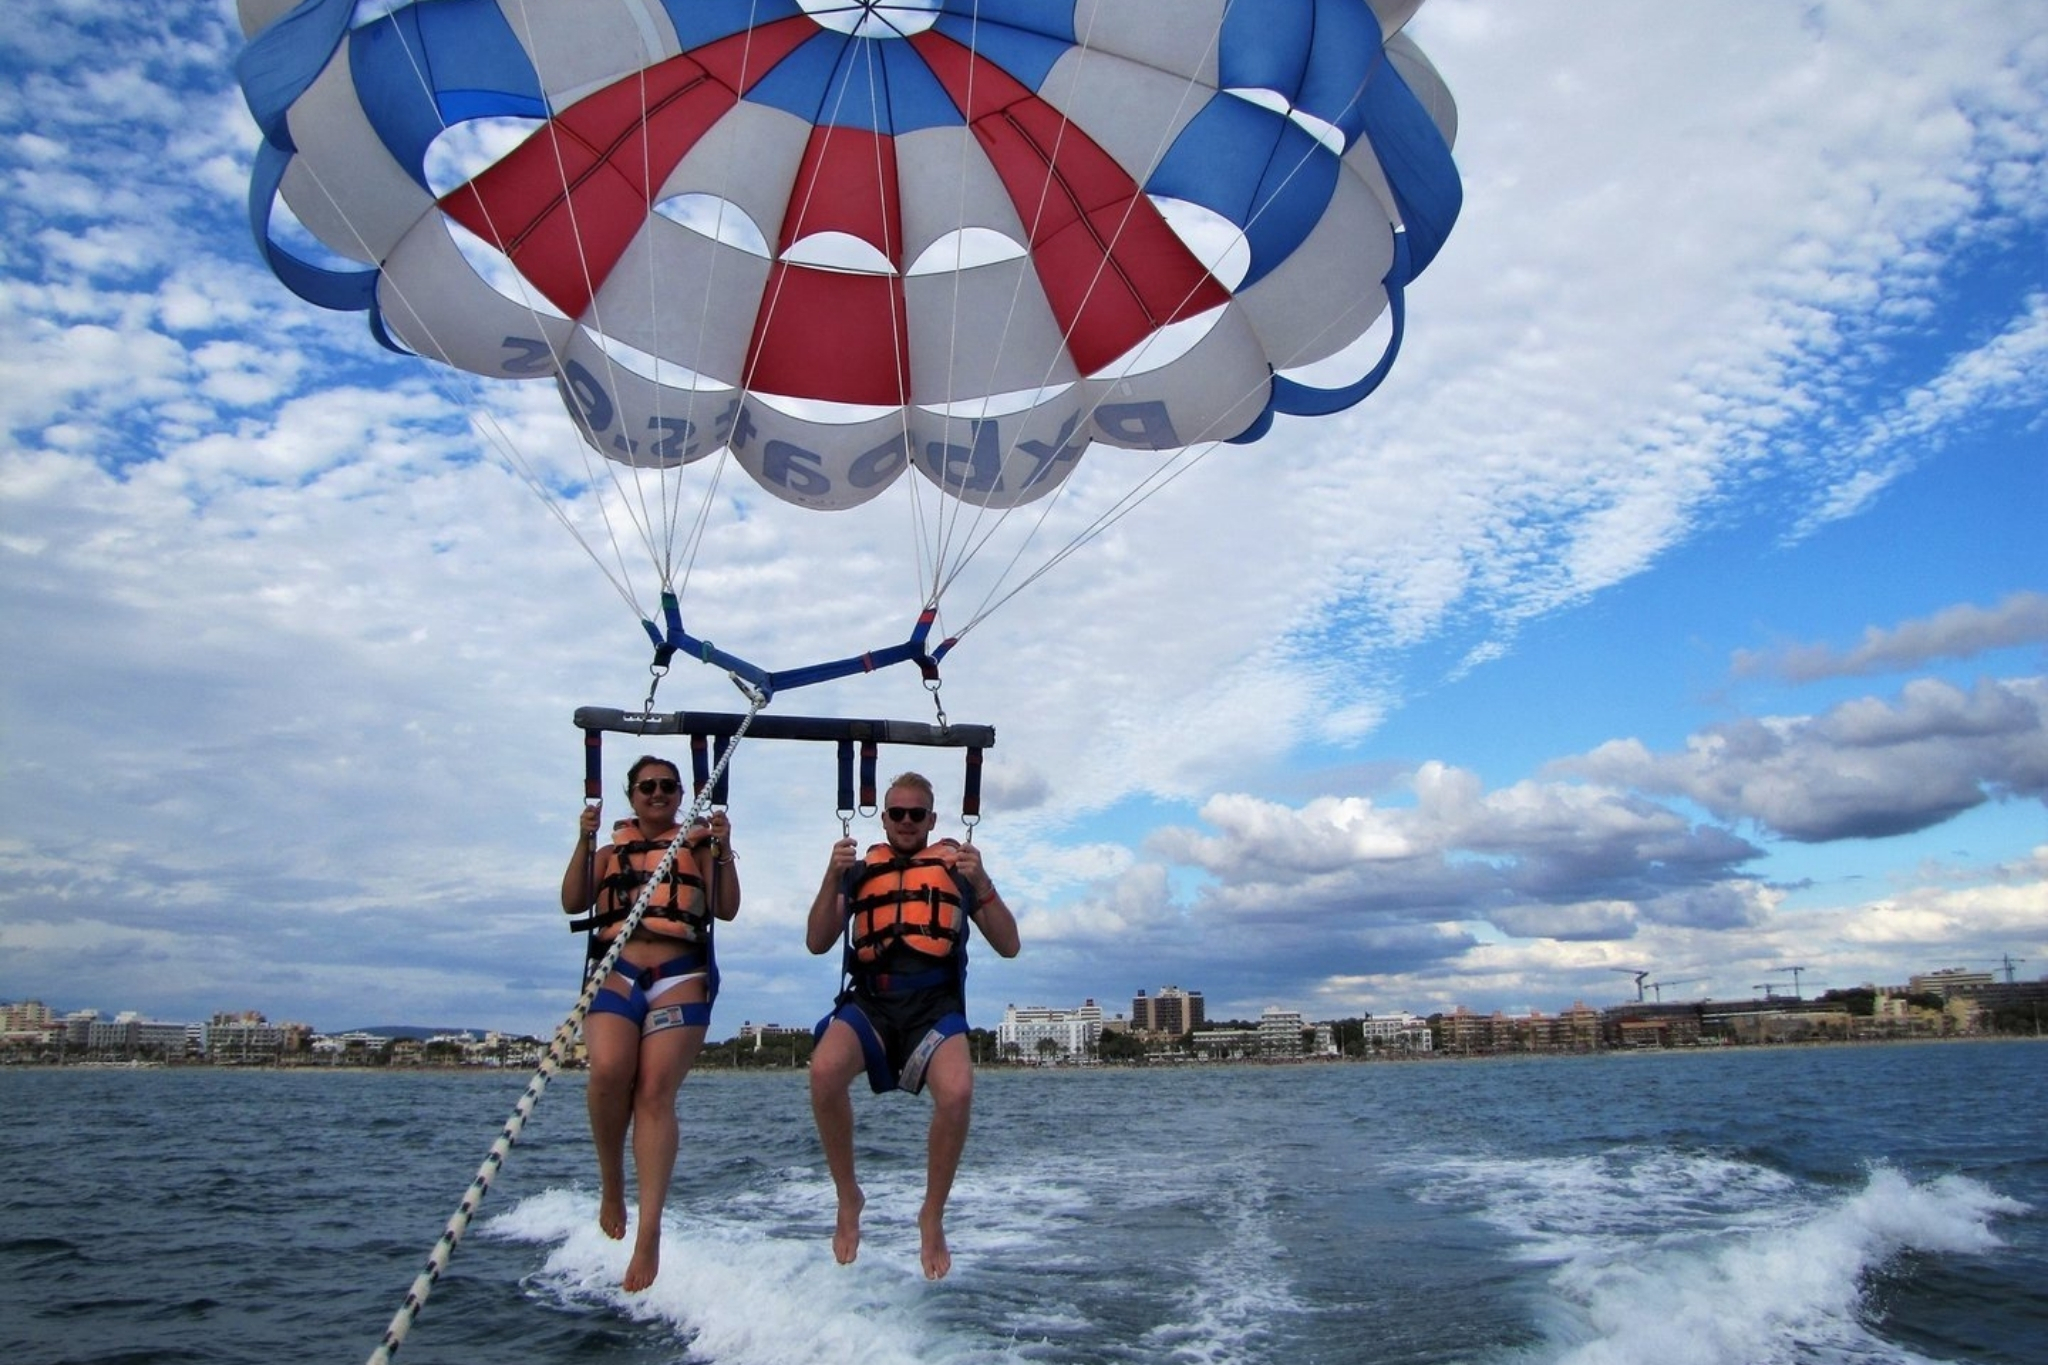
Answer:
[(937, 1257), (644, 1266), (846, 1231), (611, 1214)]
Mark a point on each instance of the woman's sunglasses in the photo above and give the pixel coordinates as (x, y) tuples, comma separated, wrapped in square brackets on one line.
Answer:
[(667, 786)]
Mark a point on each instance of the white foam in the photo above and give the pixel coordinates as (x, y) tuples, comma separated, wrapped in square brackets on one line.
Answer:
[(733, 1292), (1693, 1260), (1237, 1292)]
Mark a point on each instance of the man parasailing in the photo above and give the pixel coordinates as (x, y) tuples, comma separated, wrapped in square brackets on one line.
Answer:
[(903, 910)]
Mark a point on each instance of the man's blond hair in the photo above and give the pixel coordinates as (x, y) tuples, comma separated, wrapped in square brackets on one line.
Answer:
[(920, 782)]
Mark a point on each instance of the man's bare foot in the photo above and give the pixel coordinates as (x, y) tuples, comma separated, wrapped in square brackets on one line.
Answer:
[(846, 1231), (937, 1257), (644, 1266), (611, 1214)]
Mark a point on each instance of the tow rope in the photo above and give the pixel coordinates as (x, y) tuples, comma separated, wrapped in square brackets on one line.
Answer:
[(458, 1223)]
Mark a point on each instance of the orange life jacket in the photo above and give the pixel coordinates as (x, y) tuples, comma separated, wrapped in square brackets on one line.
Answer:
[(908, 899), (677, 909)]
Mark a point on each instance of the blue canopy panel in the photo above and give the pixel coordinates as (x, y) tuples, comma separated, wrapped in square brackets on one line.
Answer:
[(1277, 209), (884, 86), (425, 68), (698, 22), (836, 80), (281, 62), (1317, 54), (1303, 400), (1417, 163), (344, 291), (1026, 45), (276, 67), (1046, 18)]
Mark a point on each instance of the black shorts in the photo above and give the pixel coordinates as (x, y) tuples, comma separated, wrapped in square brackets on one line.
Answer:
[(899, 1033)]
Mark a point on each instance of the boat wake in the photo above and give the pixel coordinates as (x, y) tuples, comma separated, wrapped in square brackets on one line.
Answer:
[(733, 1291), (1696, 1260)]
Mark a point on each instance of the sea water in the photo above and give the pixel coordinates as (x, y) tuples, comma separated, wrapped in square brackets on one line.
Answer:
[(1859, 1205)]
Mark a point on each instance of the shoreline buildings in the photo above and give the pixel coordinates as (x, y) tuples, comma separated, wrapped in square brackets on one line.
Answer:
[(1169, 1025)]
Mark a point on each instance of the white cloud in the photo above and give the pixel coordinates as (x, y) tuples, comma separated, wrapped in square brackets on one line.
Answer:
[(270, 613)]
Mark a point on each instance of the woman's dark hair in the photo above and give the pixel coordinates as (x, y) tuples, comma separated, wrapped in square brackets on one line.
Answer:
[(633, 773)]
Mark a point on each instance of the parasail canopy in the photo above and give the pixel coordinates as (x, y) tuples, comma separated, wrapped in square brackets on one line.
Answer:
[(843, 240)]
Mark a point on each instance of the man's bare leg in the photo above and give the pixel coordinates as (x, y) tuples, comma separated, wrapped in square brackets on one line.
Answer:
[(834, 1064), (950, 1079), (614, 1045)]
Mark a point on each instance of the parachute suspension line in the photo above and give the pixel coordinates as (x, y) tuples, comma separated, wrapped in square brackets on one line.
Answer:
[(934, 544), (1181, 462), (672, 506), (676, 639), (509, 449), (1176, 465), (941, 568), (558, 1048), (894, 250), (995, 594), (673, 582), (663, 513), (660, 554), (471, 402), (938, 530), (927, 530), (492, 430), (701, 523), (656, 532)]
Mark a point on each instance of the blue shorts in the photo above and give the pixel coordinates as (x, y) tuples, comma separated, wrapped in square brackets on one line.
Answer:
[(898, 1034), (645, 987)]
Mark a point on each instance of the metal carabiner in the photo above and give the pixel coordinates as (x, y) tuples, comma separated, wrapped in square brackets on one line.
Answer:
[(657, 672)]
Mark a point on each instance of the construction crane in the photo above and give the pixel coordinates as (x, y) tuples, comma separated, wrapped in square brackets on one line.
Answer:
[(1765, 987), (1639, 976), (1795, 971), (2006, 963), (1658, 986)]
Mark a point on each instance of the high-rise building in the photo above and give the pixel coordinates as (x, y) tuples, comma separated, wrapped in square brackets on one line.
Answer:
[(1171, 1012)]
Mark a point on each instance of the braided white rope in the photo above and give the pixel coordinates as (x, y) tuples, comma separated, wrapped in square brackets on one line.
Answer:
[(444, 1249)]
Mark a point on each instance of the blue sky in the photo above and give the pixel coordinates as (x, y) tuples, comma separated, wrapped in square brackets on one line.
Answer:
[(1678, 605)]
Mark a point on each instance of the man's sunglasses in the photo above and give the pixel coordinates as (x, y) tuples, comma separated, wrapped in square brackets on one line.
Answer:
[(667, 786), (914, 814)]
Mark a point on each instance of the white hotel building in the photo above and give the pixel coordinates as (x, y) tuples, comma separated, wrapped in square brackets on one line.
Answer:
[(1401, 1031), (1024, 1032)]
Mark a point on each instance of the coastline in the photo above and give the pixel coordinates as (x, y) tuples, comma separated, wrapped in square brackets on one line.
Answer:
[(1058, 1068)]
